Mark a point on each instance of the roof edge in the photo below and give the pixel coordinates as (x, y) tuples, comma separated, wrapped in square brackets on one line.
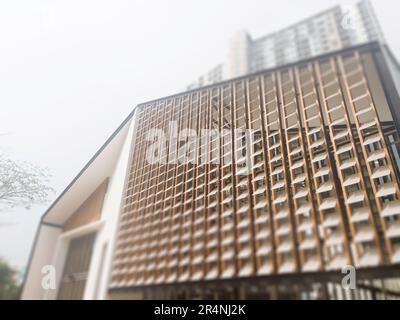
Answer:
[(369, 46), (87, 165)]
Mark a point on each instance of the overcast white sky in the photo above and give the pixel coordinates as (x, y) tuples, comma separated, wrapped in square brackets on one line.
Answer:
[(71, 71)]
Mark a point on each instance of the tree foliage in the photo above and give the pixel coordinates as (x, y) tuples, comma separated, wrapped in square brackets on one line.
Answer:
[(22, 184), (9, 289)]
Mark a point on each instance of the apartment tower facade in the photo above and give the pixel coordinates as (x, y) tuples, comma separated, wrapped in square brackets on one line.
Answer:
[(340, 27)]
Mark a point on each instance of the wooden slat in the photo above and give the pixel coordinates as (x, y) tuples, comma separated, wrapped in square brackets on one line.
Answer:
[(381, 139), (316, 167), (306, 119), (358, 168)]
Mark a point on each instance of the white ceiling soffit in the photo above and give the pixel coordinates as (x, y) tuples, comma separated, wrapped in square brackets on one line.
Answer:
[(96, 171)]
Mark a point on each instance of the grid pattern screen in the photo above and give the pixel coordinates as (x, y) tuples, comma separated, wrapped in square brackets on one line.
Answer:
[(286, 171)]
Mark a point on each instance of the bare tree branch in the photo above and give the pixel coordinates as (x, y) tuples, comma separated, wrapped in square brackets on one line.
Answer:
[(22, 183)]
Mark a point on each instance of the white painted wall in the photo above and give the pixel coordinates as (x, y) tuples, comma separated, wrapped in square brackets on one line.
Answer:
[(52, 245), (100, 266), (42, 256), (61, 250)]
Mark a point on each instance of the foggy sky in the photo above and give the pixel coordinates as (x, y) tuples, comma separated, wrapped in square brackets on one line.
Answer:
[(71, 71)]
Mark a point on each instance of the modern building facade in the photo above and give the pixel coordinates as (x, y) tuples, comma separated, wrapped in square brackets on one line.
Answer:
[(265, 186), (337, 28)]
